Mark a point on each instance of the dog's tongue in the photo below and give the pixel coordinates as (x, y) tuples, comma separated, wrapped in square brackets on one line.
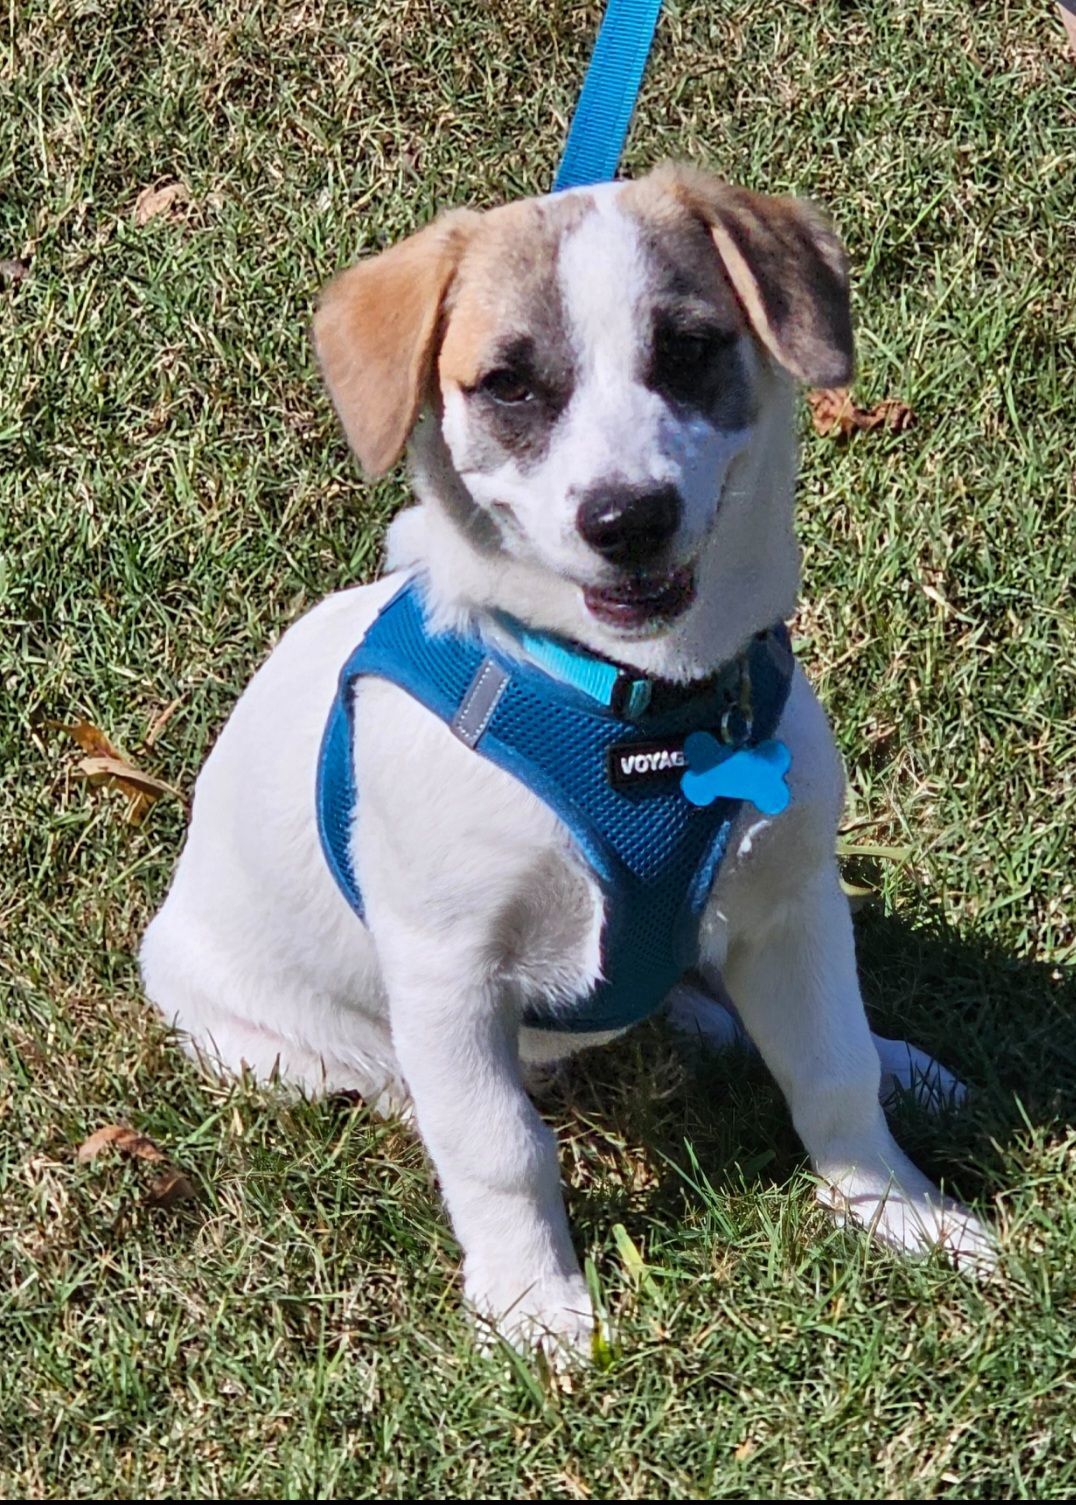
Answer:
[(636, 603)]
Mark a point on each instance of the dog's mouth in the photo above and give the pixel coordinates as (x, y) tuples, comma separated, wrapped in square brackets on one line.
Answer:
[(646, 601)]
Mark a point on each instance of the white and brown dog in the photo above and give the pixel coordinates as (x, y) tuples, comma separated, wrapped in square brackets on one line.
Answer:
[(597, 387)]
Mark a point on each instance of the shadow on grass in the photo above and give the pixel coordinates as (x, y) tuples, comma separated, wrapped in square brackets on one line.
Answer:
[(1007, 1027)]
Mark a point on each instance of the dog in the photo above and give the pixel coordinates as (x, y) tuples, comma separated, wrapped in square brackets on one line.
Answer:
[(597, 391)]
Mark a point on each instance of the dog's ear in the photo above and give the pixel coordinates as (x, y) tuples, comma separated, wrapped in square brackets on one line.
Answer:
[(376, 332), (787, 268)]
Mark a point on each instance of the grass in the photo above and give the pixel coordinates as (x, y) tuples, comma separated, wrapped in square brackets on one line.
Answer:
[(174, 492)]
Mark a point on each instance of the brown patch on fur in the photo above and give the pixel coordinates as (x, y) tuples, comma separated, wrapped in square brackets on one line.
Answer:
[(376, 332), (441, 300), (785, 264), (506, 282)]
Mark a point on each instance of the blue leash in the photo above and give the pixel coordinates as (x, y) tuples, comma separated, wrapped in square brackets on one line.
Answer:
[(610, 89)]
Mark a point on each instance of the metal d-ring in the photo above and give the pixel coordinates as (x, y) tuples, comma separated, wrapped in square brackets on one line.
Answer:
[(737, 720)]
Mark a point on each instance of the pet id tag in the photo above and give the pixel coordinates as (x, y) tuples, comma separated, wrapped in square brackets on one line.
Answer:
[(755, 774)]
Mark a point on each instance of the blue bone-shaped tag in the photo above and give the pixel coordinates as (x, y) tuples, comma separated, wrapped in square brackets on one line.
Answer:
[(756, 774)]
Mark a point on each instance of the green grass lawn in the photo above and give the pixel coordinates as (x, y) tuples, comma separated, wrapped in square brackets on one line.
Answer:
[(174, 492)]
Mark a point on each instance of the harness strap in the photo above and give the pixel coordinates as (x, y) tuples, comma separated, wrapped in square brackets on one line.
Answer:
[(610, 89)]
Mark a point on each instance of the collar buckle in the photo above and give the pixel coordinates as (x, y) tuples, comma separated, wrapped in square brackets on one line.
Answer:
[(629, 697)]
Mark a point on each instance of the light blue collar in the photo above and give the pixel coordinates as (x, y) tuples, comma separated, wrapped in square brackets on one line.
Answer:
[(613, 687)]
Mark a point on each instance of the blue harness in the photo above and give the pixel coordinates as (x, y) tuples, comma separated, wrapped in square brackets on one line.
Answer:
[(606, 752)]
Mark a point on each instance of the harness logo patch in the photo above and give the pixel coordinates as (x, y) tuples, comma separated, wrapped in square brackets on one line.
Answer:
[(646, 767)]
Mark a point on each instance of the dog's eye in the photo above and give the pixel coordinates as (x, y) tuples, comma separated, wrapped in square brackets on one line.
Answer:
[(683, 360), (505, 385), (689, 347), (692, 352)]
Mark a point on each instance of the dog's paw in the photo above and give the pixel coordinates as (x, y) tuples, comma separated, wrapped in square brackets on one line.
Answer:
[(910, 1215), (554, 1314), (906, 1069)]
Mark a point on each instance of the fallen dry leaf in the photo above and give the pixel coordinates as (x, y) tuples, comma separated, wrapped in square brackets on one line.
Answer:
[(834, 414), (89, 737), (13, 270), (105, 764), (169, 1189), (119, 1137), (119, 771), (152, 202)]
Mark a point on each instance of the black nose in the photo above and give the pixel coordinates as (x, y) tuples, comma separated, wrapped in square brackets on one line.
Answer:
[(629, 525)]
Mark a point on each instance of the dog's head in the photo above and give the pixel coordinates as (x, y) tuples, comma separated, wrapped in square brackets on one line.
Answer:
[(597, 363)]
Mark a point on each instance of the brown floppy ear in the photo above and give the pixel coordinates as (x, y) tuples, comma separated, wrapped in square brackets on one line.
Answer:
[(788, 270), (376, 331)]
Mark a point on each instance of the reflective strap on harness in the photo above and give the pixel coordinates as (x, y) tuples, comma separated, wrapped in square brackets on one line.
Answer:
[(610, 89), (480, 702)]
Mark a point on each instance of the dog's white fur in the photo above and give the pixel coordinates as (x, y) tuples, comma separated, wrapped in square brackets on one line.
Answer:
[(477, 900)]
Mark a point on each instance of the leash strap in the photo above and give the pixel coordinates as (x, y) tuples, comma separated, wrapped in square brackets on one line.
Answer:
[(610, 89)]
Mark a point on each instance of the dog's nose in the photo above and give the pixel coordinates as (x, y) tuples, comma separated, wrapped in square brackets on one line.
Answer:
[(629, 525)]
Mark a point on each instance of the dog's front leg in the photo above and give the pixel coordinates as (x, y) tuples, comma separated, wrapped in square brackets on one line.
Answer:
[(792, 975), (497, 1162), (708, 1019)]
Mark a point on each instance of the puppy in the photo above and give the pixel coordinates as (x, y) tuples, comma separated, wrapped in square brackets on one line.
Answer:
[(598, 390)]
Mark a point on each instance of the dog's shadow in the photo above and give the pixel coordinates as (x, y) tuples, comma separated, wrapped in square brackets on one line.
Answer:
[(641, 1124)]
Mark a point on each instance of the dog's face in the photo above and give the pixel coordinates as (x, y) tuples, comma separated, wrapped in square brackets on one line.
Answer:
[(596, 361), (596, 381)]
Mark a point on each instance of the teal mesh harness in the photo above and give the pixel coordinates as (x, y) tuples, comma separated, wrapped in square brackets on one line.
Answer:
[(609, 759)]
